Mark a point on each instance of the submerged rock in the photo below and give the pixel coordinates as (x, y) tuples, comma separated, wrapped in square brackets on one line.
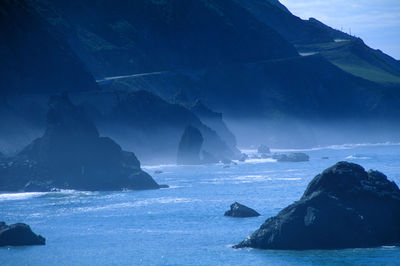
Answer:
[(241, 211), (226, 161), (72, 155), (19, 235), (263, 149), (291, 157), (343, 207), (243, 157), (190, 146)]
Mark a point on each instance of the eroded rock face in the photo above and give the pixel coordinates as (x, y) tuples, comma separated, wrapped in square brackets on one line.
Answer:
[(343, 207), (71, 154), (241, 211), (190, 146), (19, 235)]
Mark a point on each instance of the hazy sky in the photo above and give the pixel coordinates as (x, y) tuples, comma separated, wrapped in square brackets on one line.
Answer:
[(377, 22)]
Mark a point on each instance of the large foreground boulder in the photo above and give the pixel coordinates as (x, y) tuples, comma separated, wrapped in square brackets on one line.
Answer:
[(72, 155), (241, 211), (343, 207), (19, 235)]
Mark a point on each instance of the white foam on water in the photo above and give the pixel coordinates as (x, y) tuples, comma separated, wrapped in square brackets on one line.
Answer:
[(20, 196), (266, 160), (329, 147), (140, 203), (151, 167), (357, 157), (288, 178)]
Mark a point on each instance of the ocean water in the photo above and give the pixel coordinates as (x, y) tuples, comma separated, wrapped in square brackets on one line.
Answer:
[(184, 224)]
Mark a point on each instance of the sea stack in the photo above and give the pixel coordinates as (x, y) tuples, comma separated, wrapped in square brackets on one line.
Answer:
[(190, 146), (343, 207), (72, 155)]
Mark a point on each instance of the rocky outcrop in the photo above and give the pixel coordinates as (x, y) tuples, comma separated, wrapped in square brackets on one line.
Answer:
[(243, 157), (291, 157), (263, 149), (241, 211), (215, 121), (208, 158), (343, 207), (152, 127), (19, 235), (190, 146), (71, 154)]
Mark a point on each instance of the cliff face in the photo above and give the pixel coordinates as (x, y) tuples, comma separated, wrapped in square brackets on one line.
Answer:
[(150, 126), (190, 146)]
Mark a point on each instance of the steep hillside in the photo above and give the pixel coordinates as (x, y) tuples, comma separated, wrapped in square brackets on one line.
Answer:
[(292, 28), (312, 36), (34, 58), (280, 101), (116, 37), (358, 59)]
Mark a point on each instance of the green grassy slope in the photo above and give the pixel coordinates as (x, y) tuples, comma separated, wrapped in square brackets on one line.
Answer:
[(358, 59)]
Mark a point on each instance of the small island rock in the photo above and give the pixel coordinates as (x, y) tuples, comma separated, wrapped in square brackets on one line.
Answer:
[(241, 211), (291, 157)]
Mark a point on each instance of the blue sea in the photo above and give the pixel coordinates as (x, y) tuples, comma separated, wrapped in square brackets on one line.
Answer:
[(185, 224)]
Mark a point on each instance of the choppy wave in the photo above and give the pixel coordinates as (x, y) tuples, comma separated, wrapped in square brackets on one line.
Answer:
[(358, 157), (156, 166), (54, 194), (264, 160), (329, 147), (20, 196), (139, 203)]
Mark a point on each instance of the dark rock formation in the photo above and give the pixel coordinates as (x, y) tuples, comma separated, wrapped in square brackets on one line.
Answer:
[(190, 146), (215, 122), (226, 161), (243, 157), (208, 158), (291, 157), (241, 211), (150, 126), (71, 154), (343, 207), (263, 149), (19, 235)]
